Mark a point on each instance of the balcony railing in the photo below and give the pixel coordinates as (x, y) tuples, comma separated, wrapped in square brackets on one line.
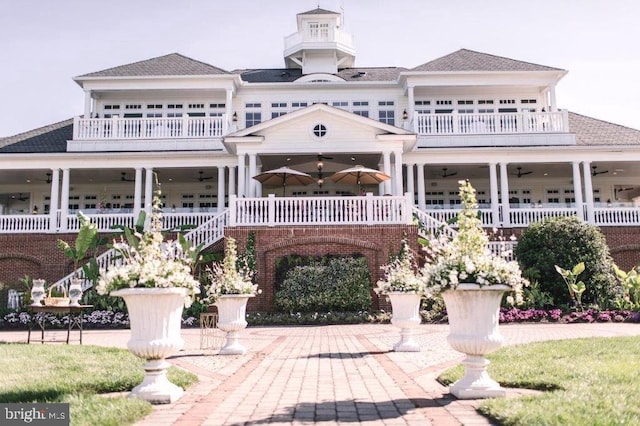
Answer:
[(149, 128), (332, 35), (499, 123)]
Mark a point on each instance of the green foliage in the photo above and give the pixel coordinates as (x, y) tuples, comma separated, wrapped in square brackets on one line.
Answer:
[(247, 260), (535, 297), (328, 284), (630, 298), (575, 287), (85, 240), (567, 241)]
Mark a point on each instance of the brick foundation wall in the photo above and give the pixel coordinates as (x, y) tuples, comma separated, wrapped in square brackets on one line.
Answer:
[(624, 245), (373, 242)]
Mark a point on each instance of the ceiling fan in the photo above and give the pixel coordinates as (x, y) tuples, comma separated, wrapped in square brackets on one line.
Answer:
[(595, 172), (521, 173), (124, 178), (202, 177), (20, 197), (445, 174)]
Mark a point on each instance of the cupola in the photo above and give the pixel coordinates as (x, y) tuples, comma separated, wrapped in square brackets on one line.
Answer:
[(320, 45)]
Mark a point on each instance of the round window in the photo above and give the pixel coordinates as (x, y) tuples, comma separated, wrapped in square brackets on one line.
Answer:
[(320, 130)]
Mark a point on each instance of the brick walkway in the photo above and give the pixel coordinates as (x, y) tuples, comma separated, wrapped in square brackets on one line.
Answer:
[(328, 375)]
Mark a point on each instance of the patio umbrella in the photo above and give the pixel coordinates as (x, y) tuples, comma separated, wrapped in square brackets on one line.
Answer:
[(359, 175), (284, 176)]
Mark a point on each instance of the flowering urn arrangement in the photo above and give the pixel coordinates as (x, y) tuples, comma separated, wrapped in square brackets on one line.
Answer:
[(472, 281), (231, 287), (405, 288), (155, 279)]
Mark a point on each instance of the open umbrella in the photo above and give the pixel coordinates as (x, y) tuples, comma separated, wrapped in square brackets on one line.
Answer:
[(359, 175), (284, 176)]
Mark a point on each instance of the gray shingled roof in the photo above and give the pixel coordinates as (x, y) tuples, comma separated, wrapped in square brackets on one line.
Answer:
[(319, 11), (171, 64), (50, 138), (288, 75), (469, 60), (594, 132)]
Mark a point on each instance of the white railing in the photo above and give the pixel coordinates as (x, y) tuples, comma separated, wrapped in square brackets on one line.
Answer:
[(520, 218), (617, 216), (496, 123), (105, 222), (449, 216), (431, 225), (332, 35), (273, 211), (149, 128), (22, 223)]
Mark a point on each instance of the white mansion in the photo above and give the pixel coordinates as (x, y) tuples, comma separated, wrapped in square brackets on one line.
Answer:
[(206, 132)]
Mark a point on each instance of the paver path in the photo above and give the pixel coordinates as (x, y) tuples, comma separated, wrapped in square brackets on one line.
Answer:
[(329, 375)]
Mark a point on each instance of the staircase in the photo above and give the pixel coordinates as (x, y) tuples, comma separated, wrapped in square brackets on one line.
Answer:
[(206, 234)]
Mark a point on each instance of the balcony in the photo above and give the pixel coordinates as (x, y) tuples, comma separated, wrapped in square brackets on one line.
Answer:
[(332, 39), (494, 129), (116, 134)]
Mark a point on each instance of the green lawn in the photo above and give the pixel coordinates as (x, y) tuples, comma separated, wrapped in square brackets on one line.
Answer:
[(586, 382), (78, 375)]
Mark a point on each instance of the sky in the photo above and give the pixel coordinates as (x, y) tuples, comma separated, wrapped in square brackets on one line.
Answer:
[(44, 43)]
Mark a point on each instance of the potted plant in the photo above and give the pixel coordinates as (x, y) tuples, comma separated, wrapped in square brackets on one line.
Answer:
[(230, 289), (87, 235), (155, 279), (472, 282), (405, 289)]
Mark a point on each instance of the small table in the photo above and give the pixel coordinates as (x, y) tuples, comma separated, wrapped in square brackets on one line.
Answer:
[(209, 338), (75, 318)]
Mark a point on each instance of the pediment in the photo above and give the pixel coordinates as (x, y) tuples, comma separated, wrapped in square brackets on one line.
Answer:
[(320, 128)]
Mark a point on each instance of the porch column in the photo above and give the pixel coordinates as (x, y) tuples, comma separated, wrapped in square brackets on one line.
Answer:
[(397, 178), (241, 178), (148, 191), (87, 104), (588, 192), (410, 183), (220, 188), (381, 185), (137, 194), (504, 195), (422, 204), (577, 189), (64, 200), (54, 199), (258, 183), (232, 180), (493, 192), (386, 158), (410, 106), (229, 110), (252, 173), (552, 98)]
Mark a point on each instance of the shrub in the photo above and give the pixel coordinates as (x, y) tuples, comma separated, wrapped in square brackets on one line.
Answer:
[(338, 284), (567, 241)]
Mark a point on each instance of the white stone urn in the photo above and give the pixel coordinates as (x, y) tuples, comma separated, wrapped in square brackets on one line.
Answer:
[(406, 316), (231, 319), (155, 316), (75, 291), (473, 312), (37, 292)]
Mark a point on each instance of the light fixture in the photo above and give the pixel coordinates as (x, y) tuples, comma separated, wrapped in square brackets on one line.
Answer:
[(405, 115), (235, 117), (609, 204), (35, 210)]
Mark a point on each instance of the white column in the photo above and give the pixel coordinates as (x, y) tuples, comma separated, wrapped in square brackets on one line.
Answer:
[(64, 200), (552, 98), (410, 183), (252, 173), (411, 102), (148, 191), (137, 194), (87, 104), (258, 183), (54, 199), (241, 176), (220, 188), (229, 109), (577, 189), (397, 178), (504, 195), (588, 192), (493, 192), (381, 185), (386, 158), (422, 204), (232, 181)]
